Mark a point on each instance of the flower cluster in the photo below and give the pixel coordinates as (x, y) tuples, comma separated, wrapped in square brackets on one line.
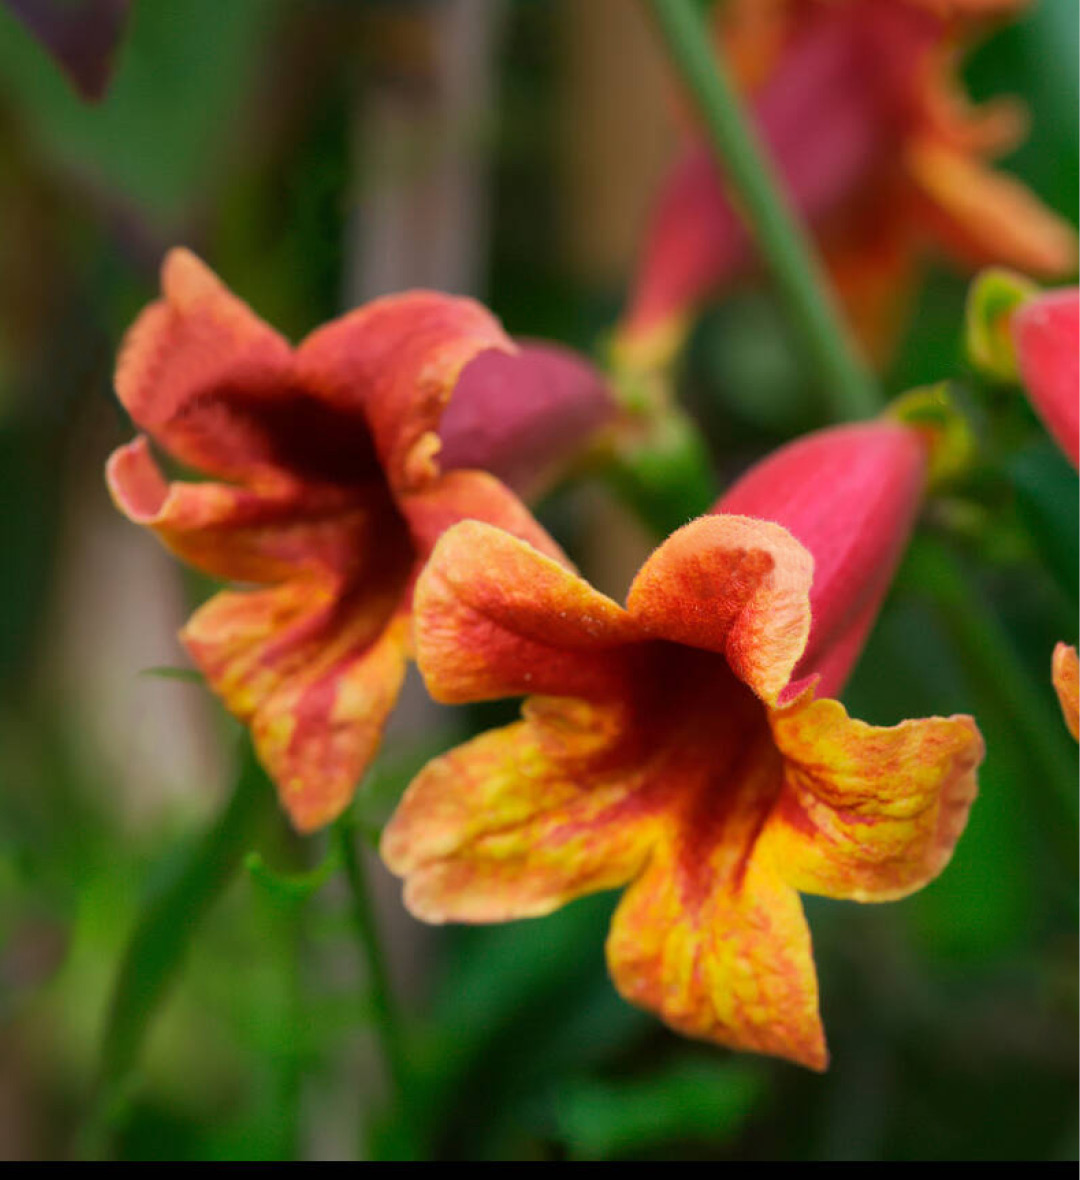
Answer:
[(688, 747)]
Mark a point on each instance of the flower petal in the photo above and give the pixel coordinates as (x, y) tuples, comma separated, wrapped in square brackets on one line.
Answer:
[(987, 216), (1047, 334), (867, 813), (315, 679), (494, 617), (821, 127), (710, 938), (1066, 677), (267, 536), (318, 734), (196, 368), (849, 494), (472, 495), (732, 585), (396, 362), (521, 820)]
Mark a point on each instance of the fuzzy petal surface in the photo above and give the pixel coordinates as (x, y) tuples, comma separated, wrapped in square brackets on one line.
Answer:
[(867, 813), (460, 496), (495, 617), (732, 585)]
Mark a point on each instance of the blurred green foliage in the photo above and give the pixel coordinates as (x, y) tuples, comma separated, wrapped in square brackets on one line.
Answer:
[(951, 1016)]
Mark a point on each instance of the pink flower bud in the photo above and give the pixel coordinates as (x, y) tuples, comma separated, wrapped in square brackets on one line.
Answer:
[(1047, 335), (524, 416), (850, 495)]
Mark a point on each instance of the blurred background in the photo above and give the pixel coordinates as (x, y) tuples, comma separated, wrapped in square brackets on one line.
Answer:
[(317, 153)]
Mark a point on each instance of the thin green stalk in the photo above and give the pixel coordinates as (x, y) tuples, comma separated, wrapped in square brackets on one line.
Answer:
[(386, 1018), (847, 386), (160, 941)]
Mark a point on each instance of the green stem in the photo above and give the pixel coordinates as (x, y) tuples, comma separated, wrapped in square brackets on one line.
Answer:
[(386, 1018), (160, 941), (845, 382)]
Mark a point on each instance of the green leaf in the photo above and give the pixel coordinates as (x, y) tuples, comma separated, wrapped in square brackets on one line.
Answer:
[(691, 1099), (163, 933)]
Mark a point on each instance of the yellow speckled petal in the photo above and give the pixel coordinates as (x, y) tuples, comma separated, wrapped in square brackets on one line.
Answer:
[(521, 820), (319, 732), (314, 676), (727, 959), (1066, 674), (867, 813)]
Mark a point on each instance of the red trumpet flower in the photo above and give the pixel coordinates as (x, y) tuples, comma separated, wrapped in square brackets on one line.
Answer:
[(679, 746), (330, 495), (858, 102)]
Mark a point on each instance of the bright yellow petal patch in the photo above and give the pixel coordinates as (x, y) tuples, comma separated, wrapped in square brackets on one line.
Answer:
[(866, 813), (521, 820), (709, 937)]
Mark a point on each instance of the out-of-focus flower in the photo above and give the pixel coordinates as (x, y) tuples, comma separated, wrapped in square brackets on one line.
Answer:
[(679, 745), (331, 496), (1066, 677), (859, 103)]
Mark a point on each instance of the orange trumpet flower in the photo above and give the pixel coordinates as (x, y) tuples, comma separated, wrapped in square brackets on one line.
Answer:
[(684, 746), (329, 494)]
